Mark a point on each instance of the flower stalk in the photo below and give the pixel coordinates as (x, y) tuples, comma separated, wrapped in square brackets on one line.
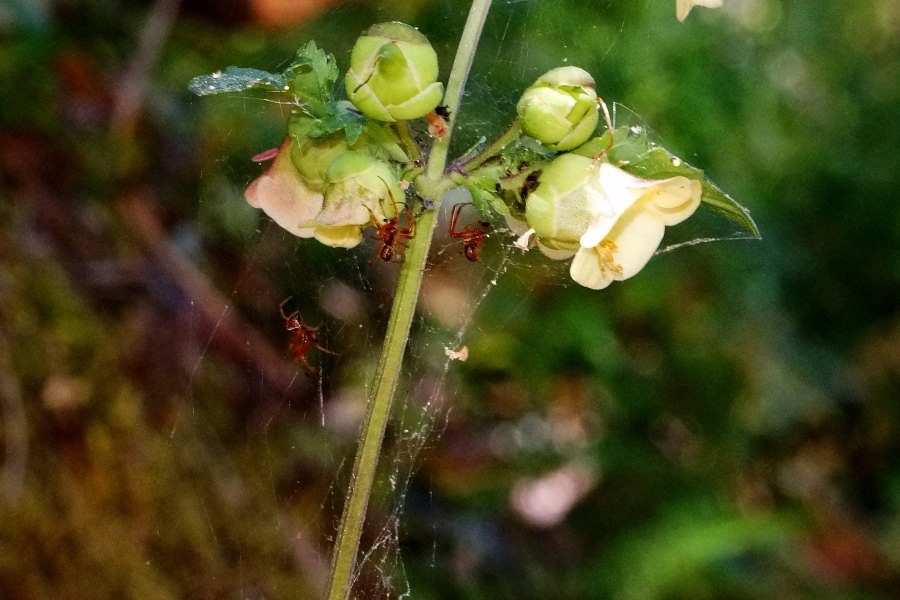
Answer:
[(344, 165), (387, 372)]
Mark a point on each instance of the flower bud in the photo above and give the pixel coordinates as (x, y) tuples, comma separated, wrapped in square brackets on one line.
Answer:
[(359, 189), (393, 73), (560, 108), (312, 156), (562, 205)]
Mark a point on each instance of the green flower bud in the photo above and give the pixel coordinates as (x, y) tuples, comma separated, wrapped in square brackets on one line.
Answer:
[(311, 156), (560, 108), (360, 189), (393, 73), (561, 207)]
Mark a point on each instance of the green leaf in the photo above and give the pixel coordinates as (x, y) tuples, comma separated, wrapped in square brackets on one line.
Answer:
[(485, 201), (385, 137), (339, 115), (236, 79), (311, 77)]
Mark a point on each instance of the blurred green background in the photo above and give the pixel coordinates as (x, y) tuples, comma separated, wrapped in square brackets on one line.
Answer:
[(723, 426)]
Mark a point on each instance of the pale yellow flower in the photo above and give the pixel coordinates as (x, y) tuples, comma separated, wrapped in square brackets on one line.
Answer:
[(611, 221), (619, 242), (683, 7)]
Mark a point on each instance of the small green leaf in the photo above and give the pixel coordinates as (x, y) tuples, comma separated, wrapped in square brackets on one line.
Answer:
[(339, 115), (485, 201), (724, 204), (386, 138), (236, 79), (497, 205), (311, 76)]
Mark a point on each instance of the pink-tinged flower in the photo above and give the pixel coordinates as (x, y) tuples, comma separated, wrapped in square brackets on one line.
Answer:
[(358, 191), (283, 195)]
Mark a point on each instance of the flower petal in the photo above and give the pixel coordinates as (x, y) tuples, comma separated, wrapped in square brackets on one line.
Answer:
[(282, 195), (587, 269), (614, 192), (416, 106), (683, 7), (675, 199), (555, 253), (627, 249), (636, 236), (348, 236)]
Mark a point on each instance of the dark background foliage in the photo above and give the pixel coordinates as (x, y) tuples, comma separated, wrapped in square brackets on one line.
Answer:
[(724, 425)]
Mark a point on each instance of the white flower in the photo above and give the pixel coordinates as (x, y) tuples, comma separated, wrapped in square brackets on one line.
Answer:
[(683, 7), (618, 243), (611, 220)]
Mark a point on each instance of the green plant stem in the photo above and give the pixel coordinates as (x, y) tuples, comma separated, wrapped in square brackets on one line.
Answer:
[(409, 282), (465, 54), (491, 150), (406, 138)]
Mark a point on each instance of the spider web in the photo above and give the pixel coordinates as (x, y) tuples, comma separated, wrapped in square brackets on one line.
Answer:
[(347, 295)]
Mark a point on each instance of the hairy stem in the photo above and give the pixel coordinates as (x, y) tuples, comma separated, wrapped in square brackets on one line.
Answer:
[(409, 282)]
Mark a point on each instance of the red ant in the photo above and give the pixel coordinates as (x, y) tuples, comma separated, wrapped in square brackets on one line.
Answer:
[(304, 338), (391, 235), (472, 234)]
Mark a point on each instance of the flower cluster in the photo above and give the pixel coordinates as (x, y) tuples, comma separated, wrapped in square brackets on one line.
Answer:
[(602, 201), (325, 185), (585, 207), (321, 188)]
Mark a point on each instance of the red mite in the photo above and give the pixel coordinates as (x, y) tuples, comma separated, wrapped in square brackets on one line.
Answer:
[(304, 338), (472, 234), (437, 123)]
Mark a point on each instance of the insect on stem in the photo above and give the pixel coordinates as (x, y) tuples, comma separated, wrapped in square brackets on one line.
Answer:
[(391, 236), (472, 234)]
